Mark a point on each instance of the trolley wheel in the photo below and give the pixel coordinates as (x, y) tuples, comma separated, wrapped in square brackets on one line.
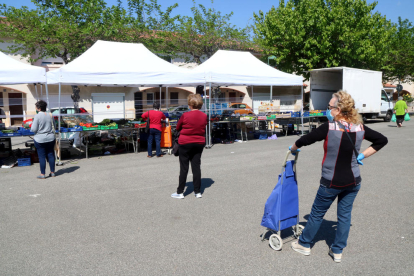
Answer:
[(276, 242), (299, 231)]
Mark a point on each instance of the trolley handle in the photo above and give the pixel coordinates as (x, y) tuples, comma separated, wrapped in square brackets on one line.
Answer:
[(287, 156)]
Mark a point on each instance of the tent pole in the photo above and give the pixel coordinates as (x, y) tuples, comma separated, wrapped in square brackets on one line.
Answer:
[(166, 97), (41, 91), (160, 97), (301, 110), (37, 95), (59, 151), (205, 107), (271, 93), (209, 118), (252, 99), (47, 97)]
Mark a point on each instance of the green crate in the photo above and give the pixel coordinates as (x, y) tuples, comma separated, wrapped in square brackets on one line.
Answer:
[(114, 127), (104, 127), (90, 128)]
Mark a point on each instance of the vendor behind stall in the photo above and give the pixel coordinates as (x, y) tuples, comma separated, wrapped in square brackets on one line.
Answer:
[(155, 117), (44, 139)]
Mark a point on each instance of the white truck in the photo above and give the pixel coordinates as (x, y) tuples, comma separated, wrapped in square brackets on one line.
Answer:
[(364, 86)]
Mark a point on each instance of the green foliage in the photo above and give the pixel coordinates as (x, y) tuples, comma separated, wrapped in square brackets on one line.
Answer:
[(150, 25), (401, 59), (310, 34), (408, 98), (67, 28), (206, 31)]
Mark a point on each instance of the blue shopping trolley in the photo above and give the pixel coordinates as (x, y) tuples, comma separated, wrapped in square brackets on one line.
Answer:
[(282, 207)]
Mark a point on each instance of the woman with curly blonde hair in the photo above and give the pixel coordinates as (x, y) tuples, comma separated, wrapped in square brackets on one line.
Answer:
[(341, 178)]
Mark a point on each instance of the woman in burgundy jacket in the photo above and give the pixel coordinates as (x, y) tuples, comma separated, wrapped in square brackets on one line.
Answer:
[(192, 127)]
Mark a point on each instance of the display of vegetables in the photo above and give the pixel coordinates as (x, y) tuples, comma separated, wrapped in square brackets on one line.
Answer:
[(105, 122), (87, 125)]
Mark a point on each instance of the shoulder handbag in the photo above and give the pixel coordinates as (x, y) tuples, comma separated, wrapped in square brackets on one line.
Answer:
[(349, 137), (147, 127)]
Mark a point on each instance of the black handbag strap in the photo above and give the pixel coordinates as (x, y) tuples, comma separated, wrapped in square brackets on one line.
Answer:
[(349, 137)]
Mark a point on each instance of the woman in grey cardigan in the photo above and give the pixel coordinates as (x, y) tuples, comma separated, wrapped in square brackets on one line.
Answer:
[(44, 138)]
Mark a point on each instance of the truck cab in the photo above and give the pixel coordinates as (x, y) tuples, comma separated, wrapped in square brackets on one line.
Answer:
[(387, 106)]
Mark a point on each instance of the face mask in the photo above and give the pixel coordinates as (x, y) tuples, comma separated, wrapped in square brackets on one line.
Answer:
[(329, 115)]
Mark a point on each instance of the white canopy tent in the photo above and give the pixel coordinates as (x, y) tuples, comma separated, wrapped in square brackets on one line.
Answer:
[(123, 64), (13, 72), (227, 68)]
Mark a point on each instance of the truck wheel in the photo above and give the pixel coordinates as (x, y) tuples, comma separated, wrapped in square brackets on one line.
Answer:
[(364, 119), (387, 117)]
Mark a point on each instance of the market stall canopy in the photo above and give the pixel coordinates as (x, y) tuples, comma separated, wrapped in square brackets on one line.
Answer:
[(242, 68), (122, 64), (16, 72)]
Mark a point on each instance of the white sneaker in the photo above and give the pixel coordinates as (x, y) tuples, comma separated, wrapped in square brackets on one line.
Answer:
[(198, 195), (175, 195), (336, 257), (299, 248)]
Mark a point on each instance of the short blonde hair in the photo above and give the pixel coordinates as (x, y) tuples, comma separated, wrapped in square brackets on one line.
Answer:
[(195, 101), (347, 106)]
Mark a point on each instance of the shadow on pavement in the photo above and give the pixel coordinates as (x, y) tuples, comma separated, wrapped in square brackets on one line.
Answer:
[(205, 183), (67, 170), (392, 125), (326, 232)]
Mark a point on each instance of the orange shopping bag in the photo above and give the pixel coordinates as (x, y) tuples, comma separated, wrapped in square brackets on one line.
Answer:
[(166, 137)]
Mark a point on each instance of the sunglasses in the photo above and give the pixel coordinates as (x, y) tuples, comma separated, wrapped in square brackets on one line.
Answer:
[(331, 107)]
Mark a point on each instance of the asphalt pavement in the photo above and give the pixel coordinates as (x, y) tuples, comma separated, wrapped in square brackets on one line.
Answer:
[(113, 215)]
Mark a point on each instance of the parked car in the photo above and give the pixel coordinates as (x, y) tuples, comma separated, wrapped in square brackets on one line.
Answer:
[(67, 110), (175, 112), (63, 111), (241, 108)]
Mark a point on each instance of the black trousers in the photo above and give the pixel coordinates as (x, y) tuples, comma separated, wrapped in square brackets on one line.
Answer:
[(190, 153), (400, 119)]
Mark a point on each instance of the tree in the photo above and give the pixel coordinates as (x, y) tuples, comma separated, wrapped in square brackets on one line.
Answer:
[(401, 59), (61, 28), (201, 35), (310, 34), (67, 28), (151, 26)]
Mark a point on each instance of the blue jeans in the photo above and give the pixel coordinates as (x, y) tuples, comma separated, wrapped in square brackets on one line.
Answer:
[(154, 134), (46, 151), (323, 201)]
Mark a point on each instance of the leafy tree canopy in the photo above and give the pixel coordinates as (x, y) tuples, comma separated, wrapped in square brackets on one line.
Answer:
[(206, 31), (67, 28), (310, 34), (401, 60)]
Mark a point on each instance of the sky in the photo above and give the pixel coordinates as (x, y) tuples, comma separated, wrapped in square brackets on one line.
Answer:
[(243, 9)]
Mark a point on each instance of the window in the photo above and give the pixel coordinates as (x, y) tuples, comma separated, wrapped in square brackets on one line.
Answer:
[(150, 98), (1, 99), (384, 97), (174, 98), (242, 106)]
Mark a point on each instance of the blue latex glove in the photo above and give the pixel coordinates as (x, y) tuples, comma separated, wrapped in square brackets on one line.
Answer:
[(360, 157), (293, 152)]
